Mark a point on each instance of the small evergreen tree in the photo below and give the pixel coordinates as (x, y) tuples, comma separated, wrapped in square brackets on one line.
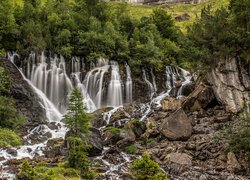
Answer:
[(76, 119), (145, 168), (79, 123)]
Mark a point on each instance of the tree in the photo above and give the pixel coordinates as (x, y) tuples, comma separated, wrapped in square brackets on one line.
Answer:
[(145, 168), (79, 123), (76, 119)]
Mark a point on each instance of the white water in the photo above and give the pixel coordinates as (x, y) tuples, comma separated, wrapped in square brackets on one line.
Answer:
[(150, 85), (129, 85), (52, 80), (115, 87)]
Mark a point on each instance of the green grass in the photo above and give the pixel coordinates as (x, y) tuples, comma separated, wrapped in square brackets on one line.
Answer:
[(9, 138), (138, 11)]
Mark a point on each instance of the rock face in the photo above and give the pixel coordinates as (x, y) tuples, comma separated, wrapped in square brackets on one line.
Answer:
[(230, 80), (177, 126), (27, 102)]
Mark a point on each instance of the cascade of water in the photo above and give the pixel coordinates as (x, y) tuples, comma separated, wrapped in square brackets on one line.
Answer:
[(150, 85), (52, 80), (153, 78), (186, 80), (115, 87), (94, 82), (129, 85), (87, 101)]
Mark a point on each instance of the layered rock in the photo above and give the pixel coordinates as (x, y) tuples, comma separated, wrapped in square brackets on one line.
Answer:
[(27, 102), (230, 80)]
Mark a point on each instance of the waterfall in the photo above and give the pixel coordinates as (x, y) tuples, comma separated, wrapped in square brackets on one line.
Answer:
[(94, 82), (115, 87), (186, 80), (153, 78), (52, 80), (129, 85), (150, 85)]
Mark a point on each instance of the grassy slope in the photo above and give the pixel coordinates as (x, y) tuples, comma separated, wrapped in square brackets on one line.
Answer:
[(137, 11)]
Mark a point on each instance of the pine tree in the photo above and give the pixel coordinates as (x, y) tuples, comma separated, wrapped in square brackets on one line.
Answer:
[(76, 119)]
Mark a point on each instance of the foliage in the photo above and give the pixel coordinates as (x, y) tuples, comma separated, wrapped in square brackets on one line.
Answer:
[(9, 117), (212, 42), (43, 171), (113, 130), (9, 138), (145, 168), (238, 136), (76, 119), (5, 82), (131, 148), (79, 123)]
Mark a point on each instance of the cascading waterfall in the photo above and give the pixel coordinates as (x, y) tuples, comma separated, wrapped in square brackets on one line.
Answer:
[(187, 78), (150, 85), (52, 80), (115, 87), (94, 82), (129, 85)]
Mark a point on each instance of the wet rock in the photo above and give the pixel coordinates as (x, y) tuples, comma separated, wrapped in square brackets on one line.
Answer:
[(182, 17), (177, 126), (53, 125), (201, 97), (95, 140), (111, 135), (171, 104), (26, 101), (232, 163), (178, 84), (12, 151)]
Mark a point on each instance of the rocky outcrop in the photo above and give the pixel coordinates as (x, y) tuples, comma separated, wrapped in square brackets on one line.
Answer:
[(27, 102), (177, 126), (230, 80), (200, 98)]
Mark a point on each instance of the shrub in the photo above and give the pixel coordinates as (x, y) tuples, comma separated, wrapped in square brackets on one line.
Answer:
[(113, 130), (145, 168), (131, 148), (4, 81), (9, 138)]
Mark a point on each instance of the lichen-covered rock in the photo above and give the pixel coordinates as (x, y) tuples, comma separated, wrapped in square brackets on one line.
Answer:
[(171, 104)]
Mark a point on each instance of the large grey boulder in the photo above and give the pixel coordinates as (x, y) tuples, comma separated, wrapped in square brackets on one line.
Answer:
[(230, 80), (177, 126)]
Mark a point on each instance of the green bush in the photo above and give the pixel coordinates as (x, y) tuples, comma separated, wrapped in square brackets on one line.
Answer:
[(145, 168), (131, 148), (9, 138), (113, 130), (5, 81)]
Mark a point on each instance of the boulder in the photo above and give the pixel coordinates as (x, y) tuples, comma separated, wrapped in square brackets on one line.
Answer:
[(180, 158), (182, 17), (127, 135), (171, 104), (232, 163), (55, 148), (95, 141), (201, 97), (177, 126), (230, 80)]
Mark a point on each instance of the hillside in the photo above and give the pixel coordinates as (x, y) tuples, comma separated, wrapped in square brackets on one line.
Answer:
[(138, 11)]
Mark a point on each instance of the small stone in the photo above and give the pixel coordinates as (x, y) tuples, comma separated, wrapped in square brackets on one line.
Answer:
[(232, 163)]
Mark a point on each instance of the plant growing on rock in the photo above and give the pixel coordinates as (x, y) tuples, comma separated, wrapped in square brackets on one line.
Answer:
[(145, 168)]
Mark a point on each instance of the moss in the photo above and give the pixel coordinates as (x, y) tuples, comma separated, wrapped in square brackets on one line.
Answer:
[(113, 130), (131, 148), (9, 138)]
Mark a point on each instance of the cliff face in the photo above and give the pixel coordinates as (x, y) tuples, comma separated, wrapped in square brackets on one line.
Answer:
[(230, 80), (27, 102)]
